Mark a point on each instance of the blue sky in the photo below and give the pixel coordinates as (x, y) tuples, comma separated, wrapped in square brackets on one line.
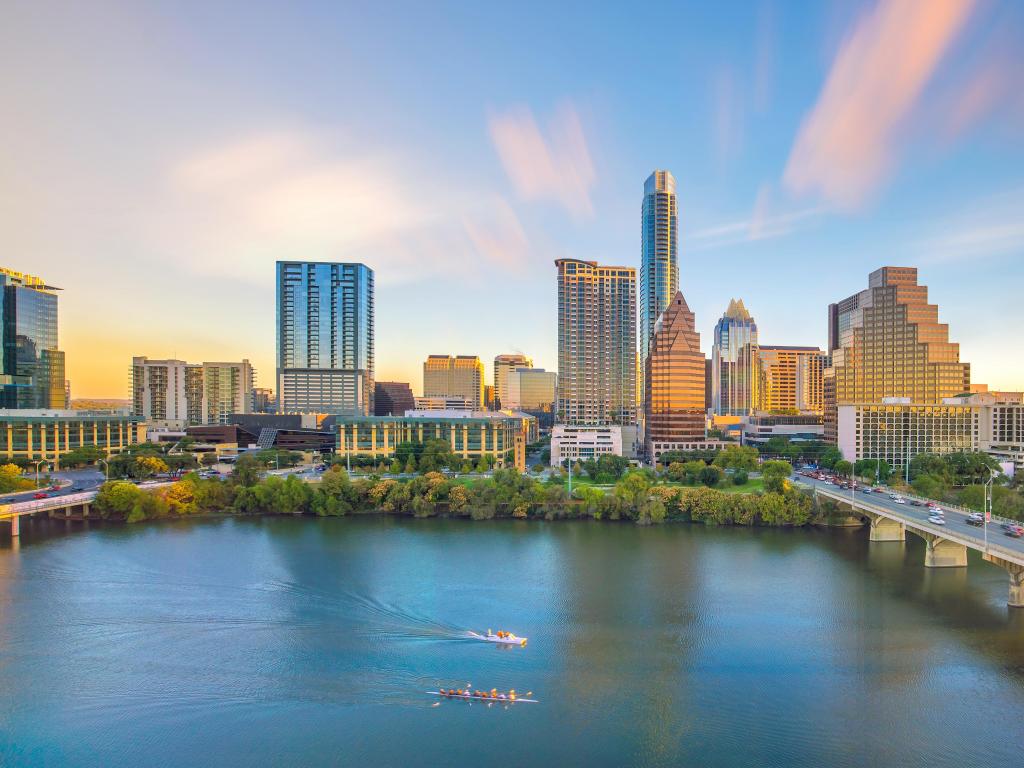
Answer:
[(158, 158)]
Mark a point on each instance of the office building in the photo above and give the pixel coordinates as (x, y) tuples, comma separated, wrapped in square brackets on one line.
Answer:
[(735, 364), (461, 376), (533, 391), (501, 436), (490, 399), (571, 443), (392, 398), (503, 366), (597, 354), (31, 365), (324, 338), (38, 434), (674, 380), (762, 427), (659, 265), (792, 379), (887, 342)]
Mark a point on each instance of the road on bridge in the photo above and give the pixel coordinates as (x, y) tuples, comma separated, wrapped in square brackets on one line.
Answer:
[(956, 521)]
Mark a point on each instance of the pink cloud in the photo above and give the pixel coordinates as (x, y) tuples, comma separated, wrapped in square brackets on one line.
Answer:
[(555, 168), (846, 144)]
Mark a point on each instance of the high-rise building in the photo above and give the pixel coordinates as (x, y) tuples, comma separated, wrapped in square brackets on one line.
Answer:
[(173, 394), (31, 368), (674, 382), (503, 366), (227, 390), (324, 338), (167, 393), (791, 379), (659, 266), (392, 398), (887, 342), (597, 362), (533, 391), (735, 365), (459, 376)]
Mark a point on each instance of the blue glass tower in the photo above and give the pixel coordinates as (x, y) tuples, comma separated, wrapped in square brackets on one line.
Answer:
[(324, 338), (31, 366)]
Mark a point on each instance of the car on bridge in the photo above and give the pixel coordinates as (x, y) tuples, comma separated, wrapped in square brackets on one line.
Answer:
[(975, 518), (1015, 531), (936, 519), (40, 495)]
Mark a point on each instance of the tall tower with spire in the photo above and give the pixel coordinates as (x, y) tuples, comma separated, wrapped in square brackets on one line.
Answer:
[(659, 267), (735, 367)]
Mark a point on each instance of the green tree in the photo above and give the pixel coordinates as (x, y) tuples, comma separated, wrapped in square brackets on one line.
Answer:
[(776, 475), (247, 470), (710, 476), (843, 468), (740, 477), (737, 457)]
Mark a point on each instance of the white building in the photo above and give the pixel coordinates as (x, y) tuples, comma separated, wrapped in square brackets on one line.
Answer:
[(439, 403), (173, 394), (583, 443), (504, 365)]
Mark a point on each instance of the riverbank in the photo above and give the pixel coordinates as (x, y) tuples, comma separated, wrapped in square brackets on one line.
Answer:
[(637, 497)]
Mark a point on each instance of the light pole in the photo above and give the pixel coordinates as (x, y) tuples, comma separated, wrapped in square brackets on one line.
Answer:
[(106, 467), (569, 462), (988, 504), (38, 464)]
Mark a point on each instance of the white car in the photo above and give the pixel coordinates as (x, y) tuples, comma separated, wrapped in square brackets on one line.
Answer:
[(899, 500), (936, 520)]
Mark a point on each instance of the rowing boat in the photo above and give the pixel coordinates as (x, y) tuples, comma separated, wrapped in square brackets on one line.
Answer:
[(493, 638), (488, 699)]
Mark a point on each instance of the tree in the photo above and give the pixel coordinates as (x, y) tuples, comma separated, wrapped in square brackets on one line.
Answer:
[(869, 468), (843, 468), (740, 477), (829, 457), (147, 466), (11, 479), (247, 471), (737, 457), (710, 476), (208, 459), (776, 475)]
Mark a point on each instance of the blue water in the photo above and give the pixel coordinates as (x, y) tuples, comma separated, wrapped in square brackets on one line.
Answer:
[(303, 642)]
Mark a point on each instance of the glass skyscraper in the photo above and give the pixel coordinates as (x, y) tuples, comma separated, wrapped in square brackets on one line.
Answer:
[(32, 368), (735, 363), (325, 338), (659, 266)]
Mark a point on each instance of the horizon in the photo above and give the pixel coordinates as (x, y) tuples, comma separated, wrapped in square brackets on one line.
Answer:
[(157, 182)]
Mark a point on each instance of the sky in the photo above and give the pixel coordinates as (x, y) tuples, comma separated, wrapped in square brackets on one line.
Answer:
[(156, 159)]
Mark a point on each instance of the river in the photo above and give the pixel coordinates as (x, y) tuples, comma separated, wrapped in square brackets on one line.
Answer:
[(309, 642)]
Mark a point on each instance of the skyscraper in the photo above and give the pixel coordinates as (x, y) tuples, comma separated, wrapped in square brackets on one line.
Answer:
[(459, 376), (324, 338), (227, 389), (31, 368), (503, 366), (791, 379), (167, 393), (674, 382), (735, 364), (597, 361), (887, 342), (659, 267)]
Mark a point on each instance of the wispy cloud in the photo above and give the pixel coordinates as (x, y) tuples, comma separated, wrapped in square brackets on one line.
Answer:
[(992, 228), (765, 222), (557, 168), (846, 145)]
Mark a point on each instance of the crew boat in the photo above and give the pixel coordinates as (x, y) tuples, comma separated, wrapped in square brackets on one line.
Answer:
[(491, 697), (501, 638)]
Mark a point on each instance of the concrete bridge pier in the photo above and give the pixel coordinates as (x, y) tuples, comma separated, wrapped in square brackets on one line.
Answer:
[(943, 553), (15, 526), (886, 529), (1016, 597)]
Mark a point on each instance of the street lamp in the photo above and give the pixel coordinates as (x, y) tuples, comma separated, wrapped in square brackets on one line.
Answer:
[(988, 504), (38, 464), (106, 467)]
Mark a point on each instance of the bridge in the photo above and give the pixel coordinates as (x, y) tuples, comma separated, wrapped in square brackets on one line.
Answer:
[(58, 502), (946, 545)]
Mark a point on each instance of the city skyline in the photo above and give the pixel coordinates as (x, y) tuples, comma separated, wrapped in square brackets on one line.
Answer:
[(206, 190)]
